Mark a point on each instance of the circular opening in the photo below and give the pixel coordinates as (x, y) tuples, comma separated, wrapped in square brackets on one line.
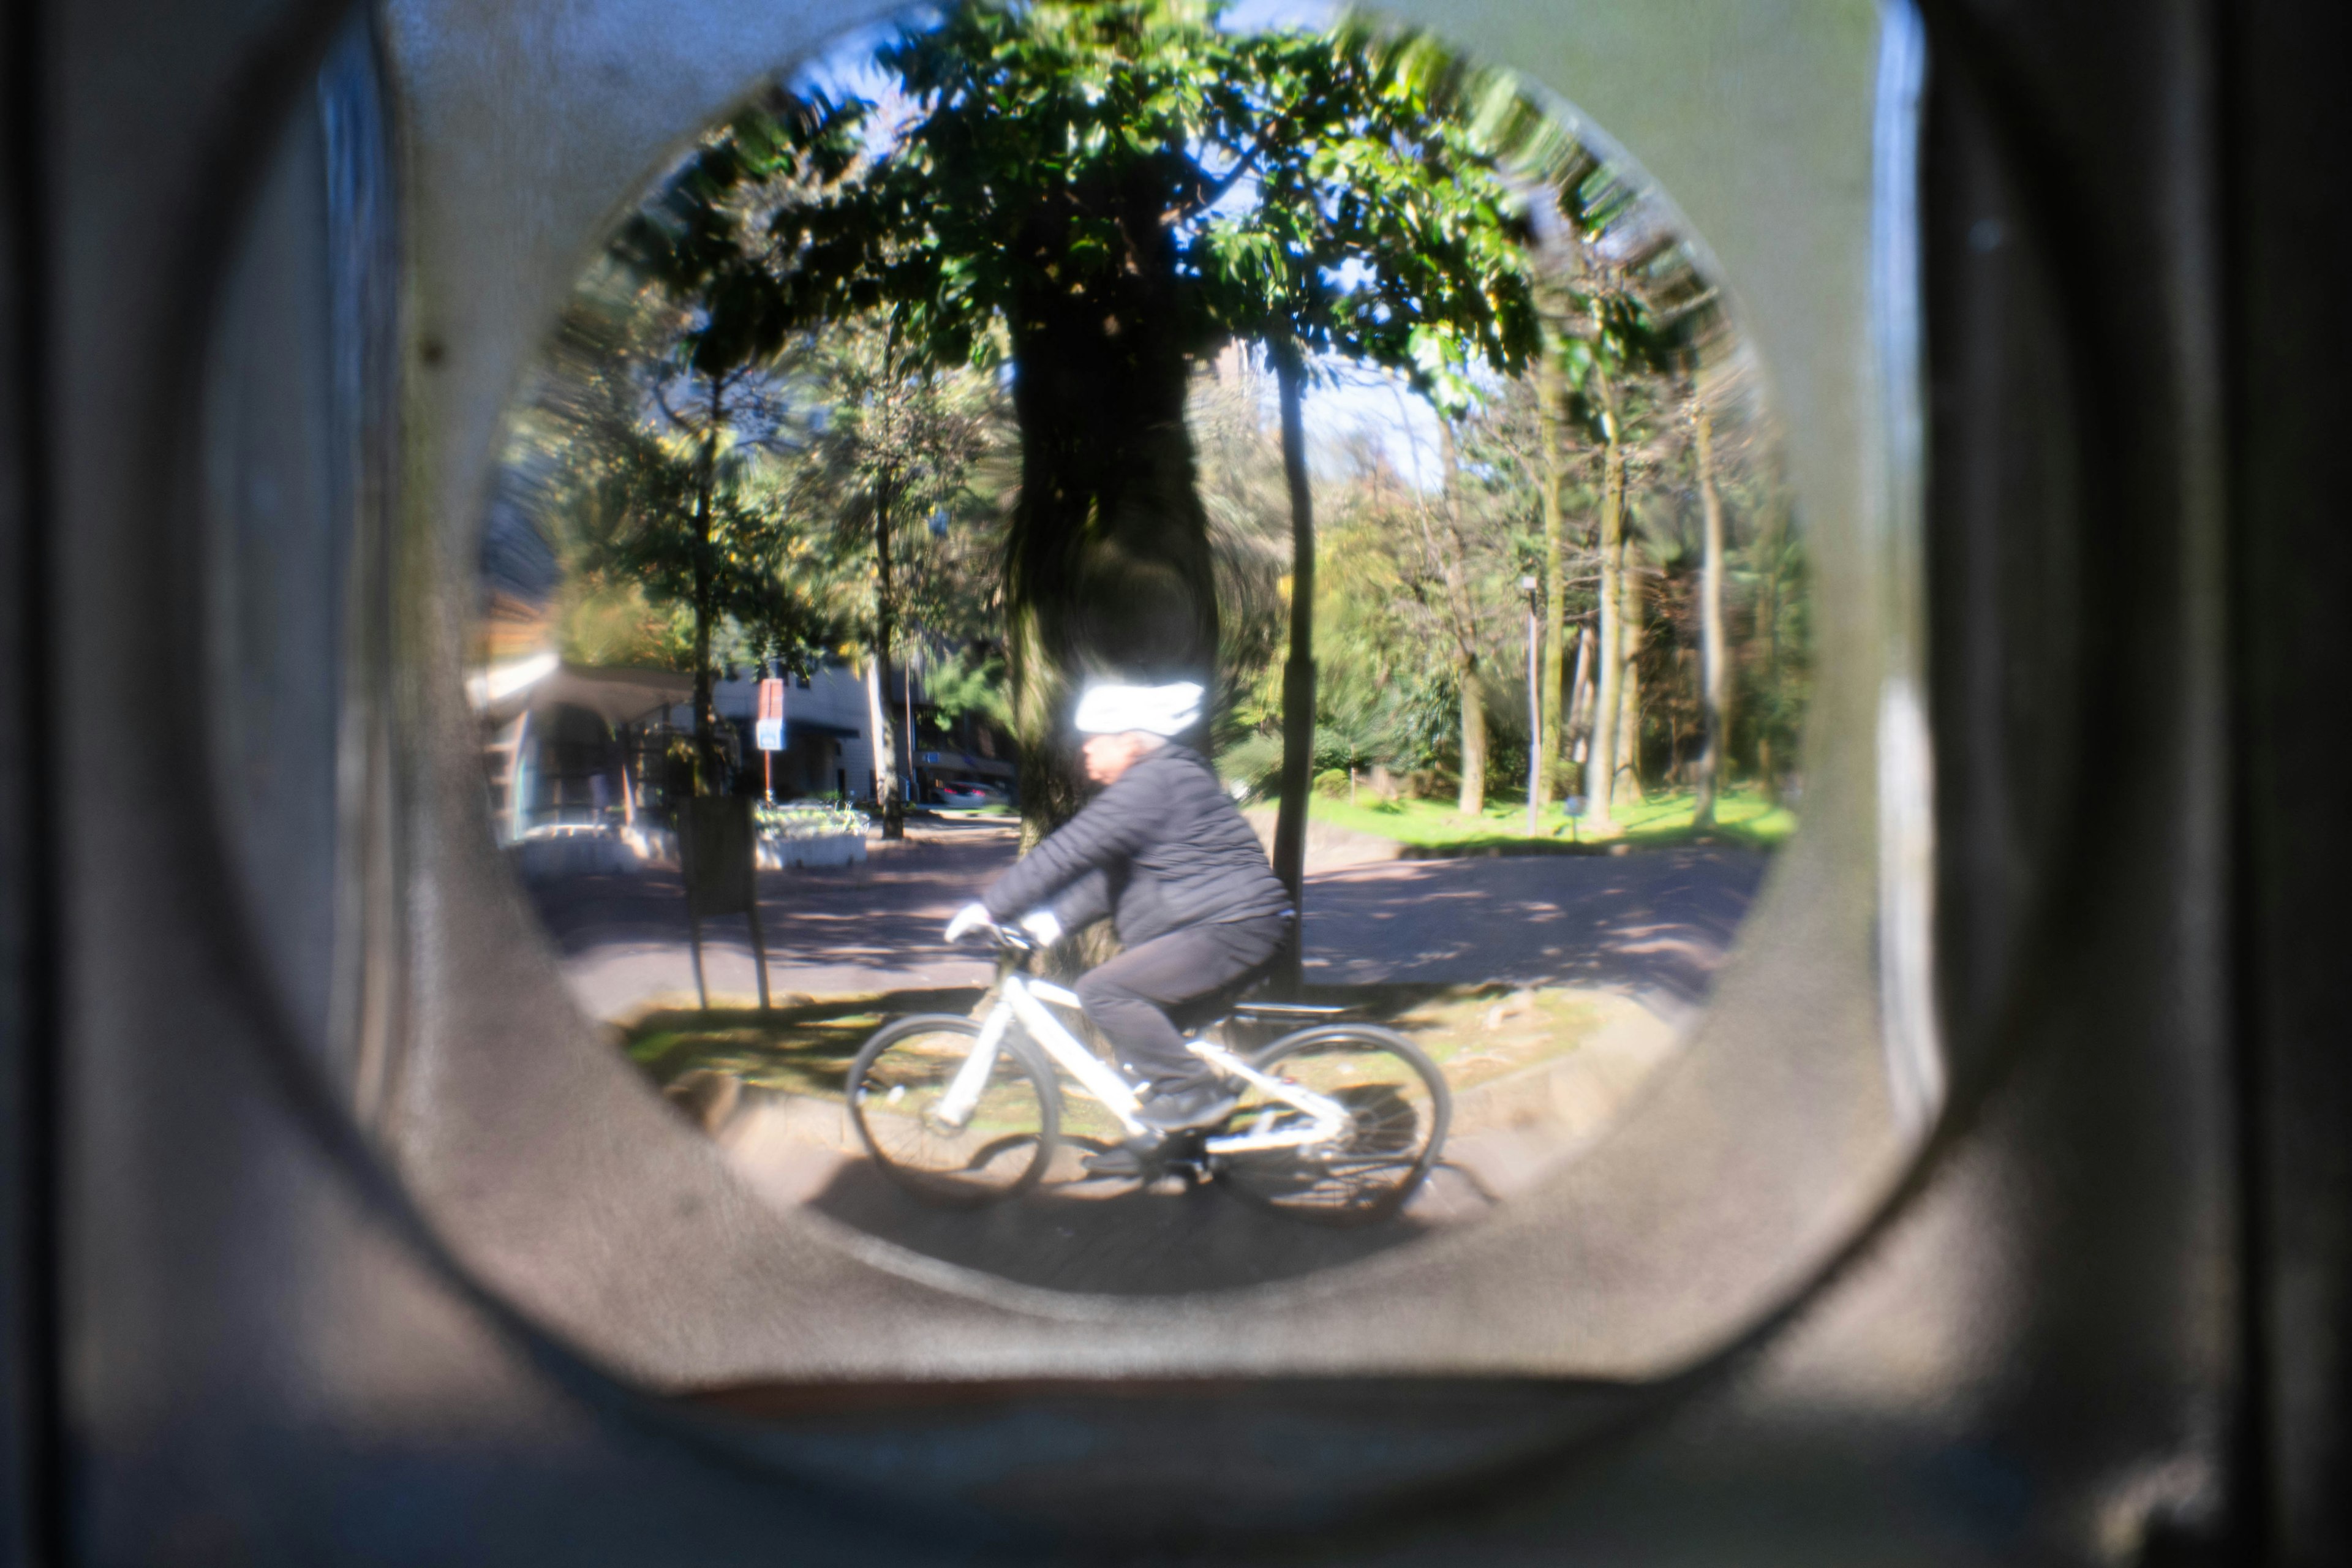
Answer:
[(946, 380), (1587, 1211)]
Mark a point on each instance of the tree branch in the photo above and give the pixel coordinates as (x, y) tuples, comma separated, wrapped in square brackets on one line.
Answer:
[(1214, 192)]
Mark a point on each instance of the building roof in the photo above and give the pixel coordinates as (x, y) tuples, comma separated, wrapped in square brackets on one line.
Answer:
[(618, 696)]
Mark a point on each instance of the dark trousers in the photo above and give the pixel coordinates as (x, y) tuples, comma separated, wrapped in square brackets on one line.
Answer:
[(1128, 998)]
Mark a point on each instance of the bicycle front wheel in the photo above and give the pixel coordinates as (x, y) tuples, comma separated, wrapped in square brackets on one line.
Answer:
[(1398, 1107), (898, 1086)]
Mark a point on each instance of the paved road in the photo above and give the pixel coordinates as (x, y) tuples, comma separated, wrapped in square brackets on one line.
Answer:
[(835, 931), (1657, 923), (1073, 1233), (1654, 925)]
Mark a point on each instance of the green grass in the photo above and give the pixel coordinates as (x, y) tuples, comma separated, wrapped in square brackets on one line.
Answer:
[(1742, 816), (802, 1048), (1474, 1033)]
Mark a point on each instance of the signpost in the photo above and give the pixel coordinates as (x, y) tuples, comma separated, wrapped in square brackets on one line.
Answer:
[(769, 729)]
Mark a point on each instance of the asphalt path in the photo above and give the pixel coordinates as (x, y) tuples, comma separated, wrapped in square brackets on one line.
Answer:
[(1651, 926), (1655, 923), (839, 930)]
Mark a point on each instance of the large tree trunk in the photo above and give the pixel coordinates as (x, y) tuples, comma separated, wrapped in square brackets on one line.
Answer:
[(1600, 757), (1550, 744), (1712, 680), (886, 796), (1299, 673), (1109, 570)]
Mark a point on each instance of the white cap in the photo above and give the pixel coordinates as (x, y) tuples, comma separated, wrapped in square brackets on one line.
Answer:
[(1110, 708)]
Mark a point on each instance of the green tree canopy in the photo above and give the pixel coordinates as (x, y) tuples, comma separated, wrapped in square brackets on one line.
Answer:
[(1105, 191)]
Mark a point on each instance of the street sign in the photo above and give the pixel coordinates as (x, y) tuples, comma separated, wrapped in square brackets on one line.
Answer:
[(770, 728)]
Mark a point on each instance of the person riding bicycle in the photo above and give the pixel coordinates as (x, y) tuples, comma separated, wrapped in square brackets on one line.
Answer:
[(1167, 855)]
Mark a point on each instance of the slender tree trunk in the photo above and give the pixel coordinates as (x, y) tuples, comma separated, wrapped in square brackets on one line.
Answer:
[(1299, 673), (1551, 743), (1768, 615), (887, 798), (1712, 682), (1628, 780), (1472, 800), (1601, 758), (908, 741), (705, 738), (1460, 615), (1580, 702), (877, 717)]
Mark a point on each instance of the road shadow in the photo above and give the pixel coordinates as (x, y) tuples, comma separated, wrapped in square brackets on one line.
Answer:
[(1651, 922), (1122, 1241), (1384, 936), (888, 908)]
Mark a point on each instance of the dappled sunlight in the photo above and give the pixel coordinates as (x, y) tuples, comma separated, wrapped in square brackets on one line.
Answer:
[(1660, 922), (809, 526)]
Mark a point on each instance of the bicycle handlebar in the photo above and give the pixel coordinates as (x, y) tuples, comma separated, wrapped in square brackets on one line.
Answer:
[(1008, 938)]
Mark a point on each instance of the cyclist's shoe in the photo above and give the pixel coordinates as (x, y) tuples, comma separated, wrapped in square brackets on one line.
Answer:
[(1120, 1160), (1187, 1108)]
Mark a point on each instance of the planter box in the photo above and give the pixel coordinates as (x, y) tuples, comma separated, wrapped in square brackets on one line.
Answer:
[(778, 852)]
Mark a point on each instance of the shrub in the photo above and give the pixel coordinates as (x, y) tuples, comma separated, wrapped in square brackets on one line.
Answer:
[(1254, 762)]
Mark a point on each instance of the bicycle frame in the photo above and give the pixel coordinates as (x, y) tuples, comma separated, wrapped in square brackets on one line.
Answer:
[(1024, 998)]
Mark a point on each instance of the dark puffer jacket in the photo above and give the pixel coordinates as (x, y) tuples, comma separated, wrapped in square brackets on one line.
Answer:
[(1161, 848)]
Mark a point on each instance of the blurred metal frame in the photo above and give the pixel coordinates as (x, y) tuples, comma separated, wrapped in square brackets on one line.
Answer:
[(31, 1511), (547, 1164), (2089, 1213)]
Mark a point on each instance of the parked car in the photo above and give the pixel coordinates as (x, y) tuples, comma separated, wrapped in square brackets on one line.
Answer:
[(967, 795)]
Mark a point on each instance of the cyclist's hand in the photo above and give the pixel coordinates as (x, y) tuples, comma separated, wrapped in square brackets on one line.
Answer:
[(970, 918), (1041, 924)]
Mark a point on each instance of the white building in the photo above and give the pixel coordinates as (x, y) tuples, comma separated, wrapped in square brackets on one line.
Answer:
[(827, 749)]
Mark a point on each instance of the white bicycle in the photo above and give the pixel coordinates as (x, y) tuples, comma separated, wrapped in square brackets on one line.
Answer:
[(1337, 1121)]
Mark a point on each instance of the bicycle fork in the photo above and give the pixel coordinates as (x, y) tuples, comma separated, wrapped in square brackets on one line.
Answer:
[(962, 1098)]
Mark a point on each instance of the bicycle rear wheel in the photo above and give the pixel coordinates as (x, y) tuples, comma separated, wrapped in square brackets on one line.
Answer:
[(1399, 1107), (894, 1091)]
